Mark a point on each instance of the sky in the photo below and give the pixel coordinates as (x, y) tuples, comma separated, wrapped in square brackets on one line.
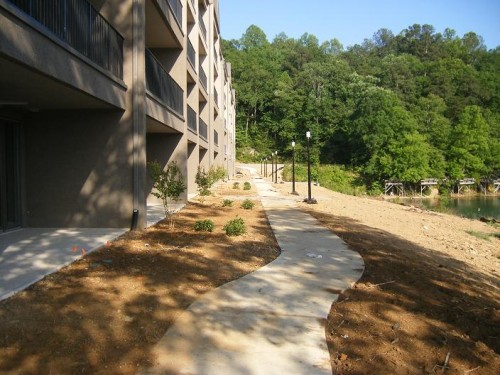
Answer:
[(352, 21)]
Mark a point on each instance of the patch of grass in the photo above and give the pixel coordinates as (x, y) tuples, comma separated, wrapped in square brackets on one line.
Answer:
[(333, 177), (247, 186), (227, 203), (235, 227), (204, 226), (247, 204), (484, 236)]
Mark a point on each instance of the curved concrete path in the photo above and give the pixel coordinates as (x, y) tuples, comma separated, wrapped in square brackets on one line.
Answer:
[(273, 320)]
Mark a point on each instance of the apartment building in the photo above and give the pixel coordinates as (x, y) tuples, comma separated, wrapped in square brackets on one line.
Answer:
[(91, 91)]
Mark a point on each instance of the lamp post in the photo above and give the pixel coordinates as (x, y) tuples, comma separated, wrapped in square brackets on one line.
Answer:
[(293, 169), (272, 166), (261, 166), (265, 167), (308, 136), (276, 171)]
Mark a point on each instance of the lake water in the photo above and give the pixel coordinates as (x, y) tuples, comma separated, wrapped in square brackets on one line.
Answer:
[(472, 207)]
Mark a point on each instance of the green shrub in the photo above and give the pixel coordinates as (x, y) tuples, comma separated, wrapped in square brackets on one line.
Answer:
[(235, 227), (227, 203), (168, 184), (205, 180), (204, 226), (376, 189), (247, 186), (247, 204), (216, 174), (236, 185), (333, 177)]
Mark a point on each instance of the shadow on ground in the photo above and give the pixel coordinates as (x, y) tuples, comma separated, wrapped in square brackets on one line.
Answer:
[(412, 308), (104, 313)]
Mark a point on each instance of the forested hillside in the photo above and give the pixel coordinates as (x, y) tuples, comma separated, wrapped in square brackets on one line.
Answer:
[(415, 105)]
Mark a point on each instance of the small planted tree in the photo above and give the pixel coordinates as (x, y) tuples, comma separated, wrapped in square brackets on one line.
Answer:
[(203, 181), (168, 184)]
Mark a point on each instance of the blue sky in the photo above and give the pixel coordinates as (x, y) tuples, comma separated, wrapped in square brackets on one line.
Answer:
[(351, 21)]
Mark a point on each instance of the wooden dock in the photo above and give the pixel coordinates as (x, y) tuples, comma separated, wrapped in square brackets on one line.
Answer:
[(427, 183), (465, 182), (391, 186)]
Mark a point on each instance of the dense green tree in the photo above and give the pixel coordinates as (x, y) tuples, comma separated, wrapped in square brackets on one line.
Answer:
[(469, 145), (409, 106)]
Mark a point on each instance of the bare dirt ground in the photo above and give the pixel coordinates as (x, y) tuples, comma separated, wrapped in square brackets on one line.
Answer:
[(428, 301), (104, 313)]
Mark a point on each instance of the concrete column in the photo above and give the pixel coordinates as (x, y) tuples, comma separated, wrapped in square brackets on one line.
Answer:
[(138, 93)]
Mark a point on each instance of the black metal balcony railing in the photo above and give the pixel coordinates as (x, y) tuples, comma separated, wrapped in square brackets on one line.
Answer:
[(191, 54), (159, 83), (216, 97), (176, 7), (202, 25), (79, 24), (216, 138), (203, 78), (203, 130), (191, 117)]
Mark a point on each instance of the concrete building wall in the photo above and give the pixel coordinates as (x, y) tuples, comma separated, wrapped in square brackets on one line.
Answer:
[(78, 169), (166, 148), (88, 134)]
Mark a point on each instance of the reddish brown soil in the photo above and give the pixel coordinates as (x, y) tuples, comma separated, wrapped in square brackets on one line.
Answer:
[(429, 295), (105, 312)]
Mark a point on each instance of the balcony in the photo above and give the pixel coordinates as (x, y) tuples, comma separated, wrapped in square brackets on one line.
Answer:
[(203, 130), (216, 97), (191, 54), (203, 79), (191, 120), (216, 55), (160, 84), (202, 25), (216, 138), (176, 7), (80, 25)]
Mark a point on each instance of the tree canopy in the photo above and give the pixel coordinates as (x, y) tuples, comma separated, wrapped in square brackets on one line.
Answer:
[(414, 105)]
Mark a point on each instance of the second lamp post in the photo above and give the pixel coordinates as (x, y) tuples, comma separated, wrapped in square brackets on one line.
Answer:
[(276, 170), (293, 169), (309, 199)]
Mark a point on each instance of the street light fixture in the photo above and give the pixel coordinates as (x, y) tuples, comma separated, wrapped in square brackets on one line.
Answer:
[(272, 166), (293, 169), (276, 172), (309, 199)]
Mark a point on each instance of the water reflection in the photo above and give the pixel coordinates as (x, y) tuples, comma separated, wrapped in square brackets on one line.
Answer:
[(472, 207)]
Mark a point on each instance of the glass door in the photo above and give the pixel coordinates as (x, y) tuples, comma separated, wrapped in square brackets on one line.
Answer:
[(10, 198)]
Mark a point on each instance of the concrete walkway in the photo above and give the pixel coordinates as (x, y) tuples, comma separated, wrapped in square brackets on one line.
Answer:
[(273, 320), (29, 254)]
